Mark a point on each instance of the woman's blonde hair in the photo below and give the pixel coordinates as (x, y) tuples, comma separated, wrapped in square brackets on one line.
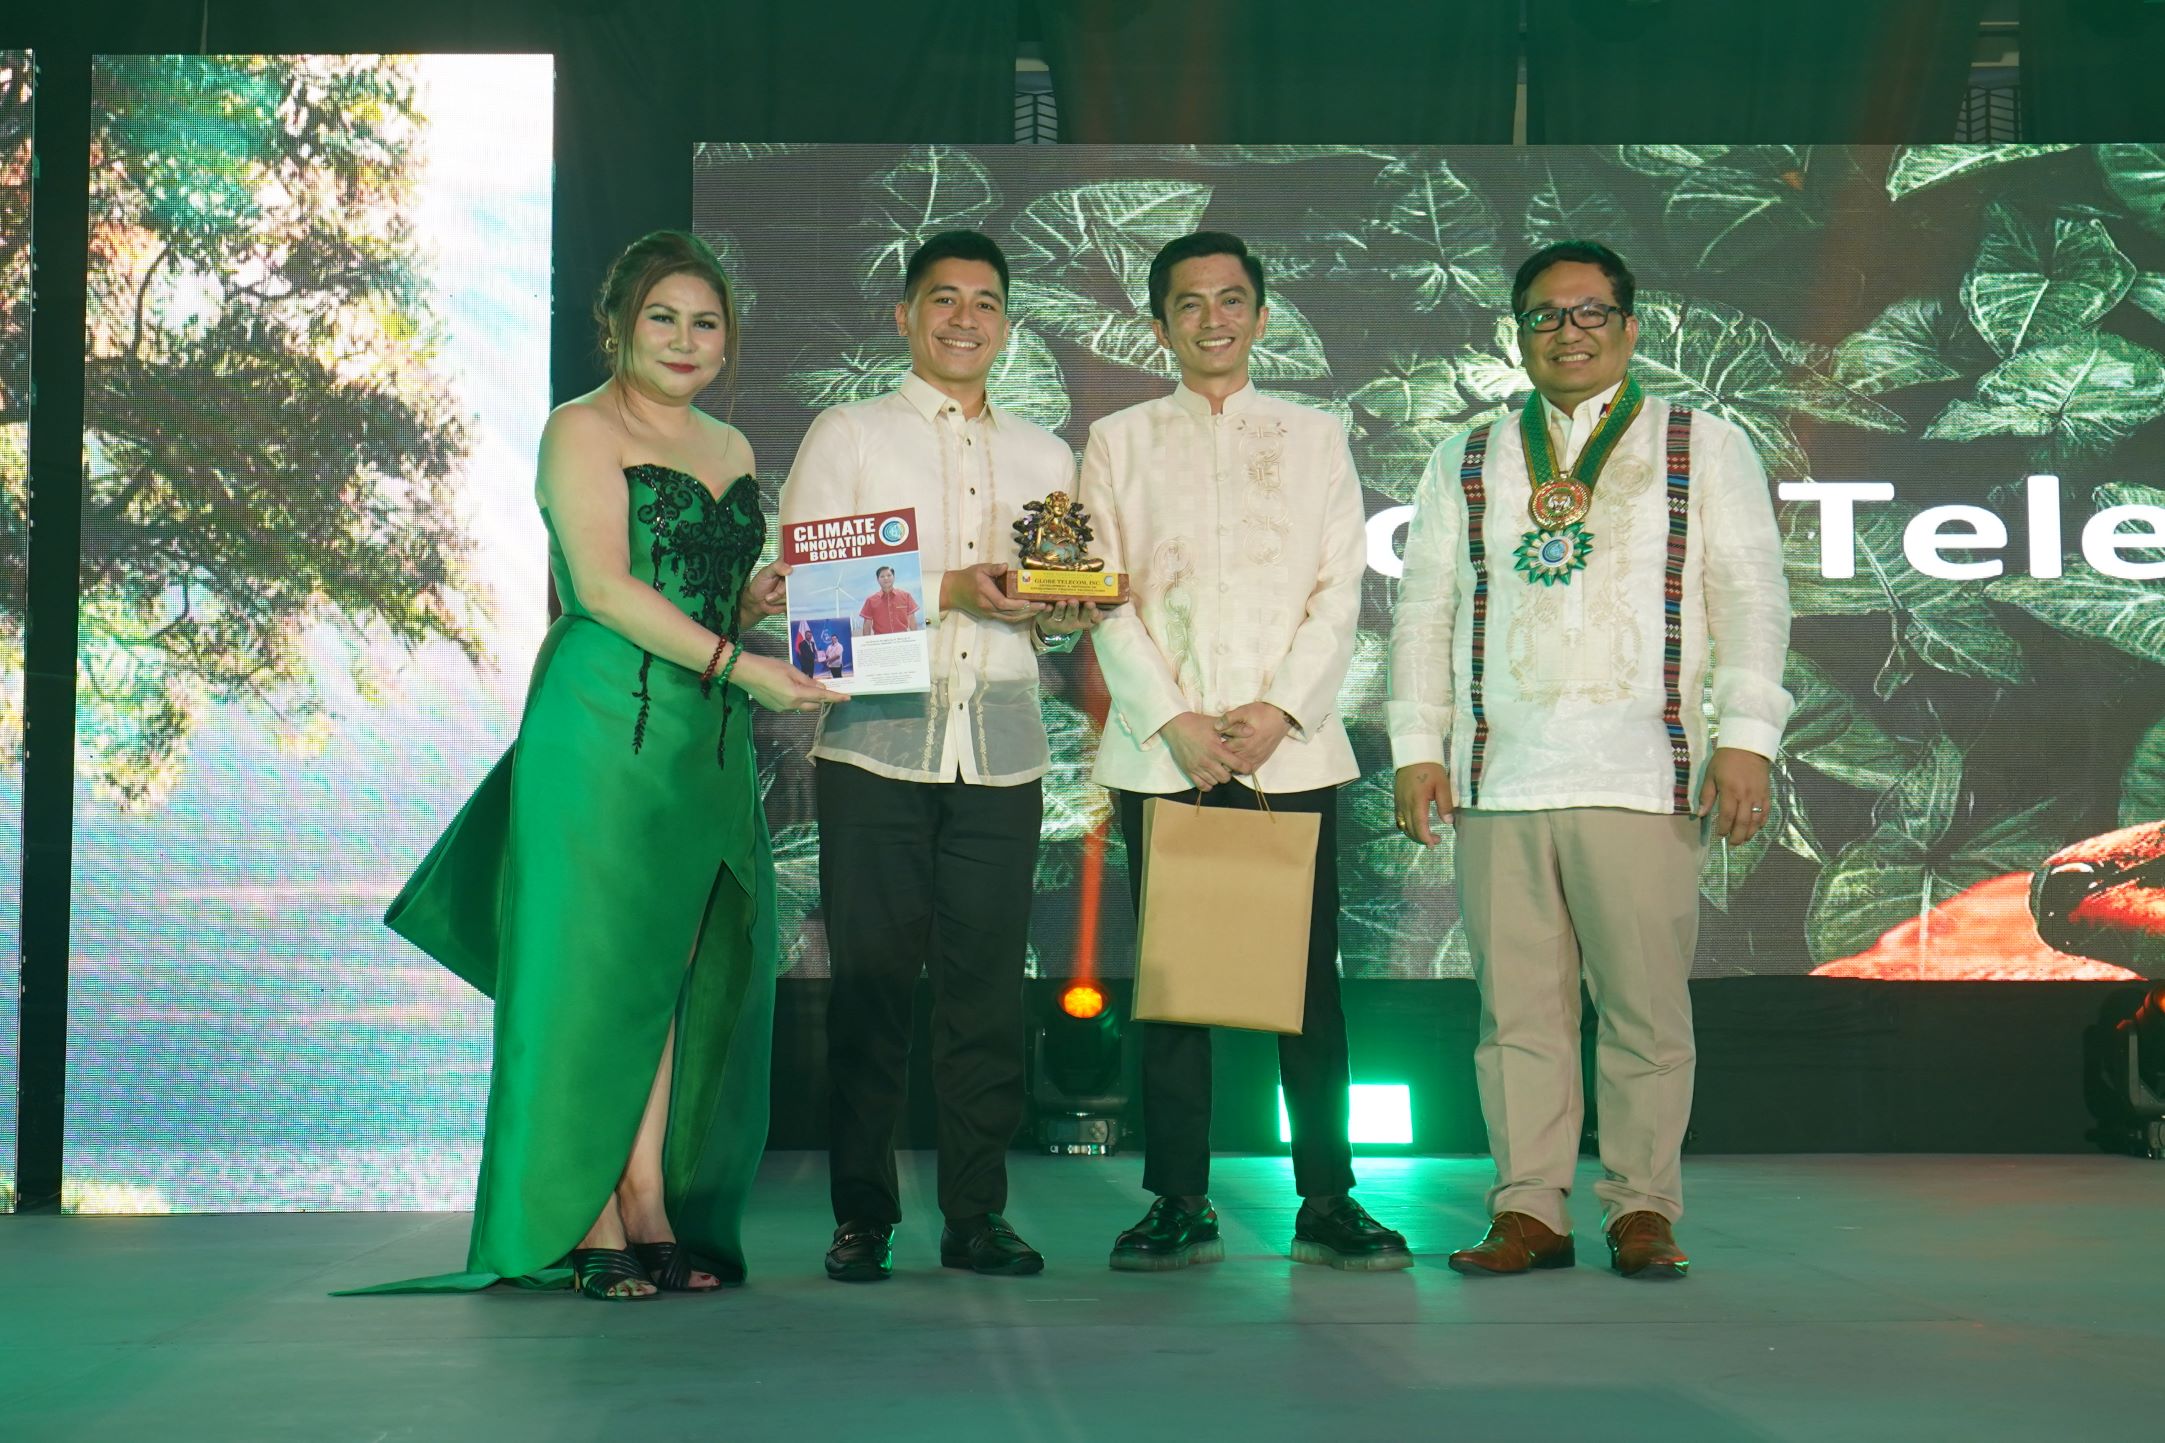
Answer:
[(645, 264)]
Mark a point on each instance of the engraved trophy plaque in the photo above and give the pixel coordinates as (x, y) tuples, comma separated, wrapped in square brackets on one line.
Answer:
[(1053, 537)]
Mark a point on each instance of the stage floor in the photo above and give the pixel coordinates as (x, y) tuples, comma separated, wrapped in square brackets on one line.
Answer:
[(1851, 1298)]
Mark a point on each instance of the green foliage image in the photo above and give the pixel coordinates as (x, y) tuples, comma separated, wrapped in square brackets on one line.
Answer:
[(269, 446), (1950, 319)]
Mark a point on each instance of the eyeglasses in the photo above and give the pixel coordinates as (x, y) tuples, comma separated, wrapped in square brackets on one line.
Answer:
[(1587, 316)]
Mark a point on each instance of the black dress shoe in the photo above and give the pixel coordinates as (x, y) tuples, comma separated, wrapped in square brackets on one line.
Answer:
[(862, 1253), (1338, 1233), (1168, 1237), (986, 1244)]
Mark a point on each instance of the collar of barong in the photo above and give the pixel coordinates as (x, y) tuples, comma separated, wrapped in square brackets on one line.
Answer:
[(1615, 421)]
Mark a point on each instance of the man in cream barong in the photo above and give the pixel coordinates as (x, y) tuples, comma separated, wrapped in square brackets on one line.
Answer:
[(1577, 576), (1238, 519)]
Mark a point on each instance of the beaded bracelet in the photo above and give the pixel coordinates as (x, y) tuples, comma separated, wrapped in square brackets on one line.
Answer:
[(730, 666), (706, 678)]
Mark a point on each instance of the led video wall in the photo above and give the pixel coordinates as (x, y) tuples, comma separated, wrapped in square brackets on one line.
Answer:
[(313, 575), (16, 76), (1899, 330), (313, 580)]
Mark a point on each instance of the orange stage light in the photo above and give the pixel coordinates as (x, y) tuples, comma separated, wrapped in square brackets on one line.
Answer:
[(1082, 1000)]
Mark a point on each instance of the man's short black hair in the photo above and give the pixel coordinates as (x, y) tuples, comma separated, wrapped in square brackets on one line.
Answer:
[(1193, 247), (952, 245), (883, 571), (1585, 252)]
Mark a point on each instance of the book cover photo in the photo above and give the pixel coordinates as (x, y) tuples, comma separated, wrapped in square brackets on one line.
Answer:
[(857, 602)]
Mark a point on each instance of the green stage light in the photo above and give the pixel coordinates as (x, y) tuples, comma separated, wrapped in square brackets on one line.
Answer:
[(1377, 1112)]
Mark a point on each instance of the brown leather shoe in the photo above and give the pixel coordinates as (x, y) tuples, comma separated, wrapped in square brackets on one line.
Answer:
[(1641, 1246), (1515, 1243)]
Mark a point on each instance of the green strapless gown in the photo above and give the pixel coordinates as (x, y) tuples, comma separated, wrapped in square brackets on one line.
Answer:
[(619, 839)]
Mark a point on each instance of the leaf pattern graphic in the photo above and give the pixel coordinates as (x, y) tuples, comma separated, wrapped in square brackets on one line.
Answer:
[(1074, 804), (1911, 343), (795, 849), (1727, 868), (1412, 390), (730, 252), (1682, 162), (2136, 175), (1920, 167), (1238, 155), (2015, 323), (1385, 929), (1561, 210), (1289, 348), (1724, 206), (2148, 293), (1026, 380), (1117, 226), (2018, 295), (1420, 404), (934, 188), (1122, 336), (2080, 396), (1432, 239), (1392, 461), (2142, 786), (1947, 628), (856, 374), (1889, 878), (711, 155), (1831, 734), (2129, 615), (1441, 389), (1703, 355)]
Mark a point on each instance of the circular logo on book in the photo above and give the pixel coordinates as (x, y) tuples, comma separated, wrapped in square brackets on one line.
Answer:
[(894, 531)]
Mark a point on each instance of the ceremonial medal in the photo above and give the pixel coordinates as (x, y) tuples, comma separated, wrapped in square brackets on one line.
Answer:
[(1549, 557), (1559, 503), (1559, 545)]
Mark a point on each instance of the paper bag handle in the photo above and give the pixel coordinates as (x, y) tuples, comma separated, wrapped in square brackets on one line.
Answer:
[(1260, 795)]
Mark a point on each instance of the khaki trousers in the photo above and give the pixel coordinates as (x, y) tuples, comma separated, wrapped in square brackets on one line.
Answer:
[(1546, 896)]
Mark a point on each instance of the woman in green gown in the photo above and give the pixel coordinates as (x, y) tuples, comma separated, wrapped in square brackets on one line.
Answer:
[(609, 884)]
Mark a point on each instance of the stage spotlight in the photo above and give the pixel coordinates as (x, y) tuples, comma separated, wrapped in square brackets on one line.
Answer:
[(1079, 1073), (1081, 1000), (1378, 1114)]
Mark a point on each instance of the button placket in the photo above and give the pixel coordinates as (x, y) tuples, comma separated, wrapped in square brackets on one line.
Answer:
[(1224, 449)]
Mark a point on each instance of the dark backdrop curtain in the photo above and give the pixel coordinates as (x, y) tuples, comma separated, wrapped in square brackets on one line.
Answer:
[(1282, 71), (638, 86), (2090, 70), (1714, 70)]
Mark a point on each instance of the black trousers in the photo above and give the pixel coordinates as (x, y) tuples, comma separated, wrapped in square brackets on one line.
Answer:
[(1314, 1066), (918, 875)]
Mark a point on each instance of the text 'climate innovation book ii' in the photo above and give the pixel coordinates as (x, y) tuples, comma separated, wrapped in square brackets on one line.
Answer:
[(857, 602)]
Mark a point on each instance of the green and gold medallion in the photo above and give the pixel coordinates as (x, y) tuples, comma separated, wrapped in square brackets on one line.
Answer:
[(1559, 544), (1549, 557)]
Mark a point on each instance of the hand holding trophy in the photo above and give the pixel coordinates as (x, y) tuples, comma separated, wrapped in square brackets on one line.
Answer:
[(1053, 536)]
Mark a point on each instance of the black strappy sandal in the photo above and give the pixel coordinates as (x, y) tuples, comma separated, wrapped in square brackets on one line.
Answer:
[(596, 1272), (670, 1268)]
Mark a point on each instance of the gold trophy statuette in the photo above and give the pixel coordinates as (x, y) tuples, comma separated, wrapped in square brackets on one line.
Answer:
[(1053, 536)]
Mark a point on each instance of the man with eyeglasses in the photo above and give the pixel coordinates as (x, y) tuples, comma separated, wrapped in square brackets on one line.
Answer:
[(1569, 571)]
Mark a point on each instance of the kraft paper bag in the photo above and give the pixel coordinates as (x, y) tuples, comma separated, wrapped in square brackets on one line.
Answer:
[(1223, 936)]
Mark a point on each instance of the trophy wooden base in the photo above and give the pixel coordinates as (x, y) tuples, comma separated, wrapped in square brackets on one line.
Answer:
[(1027, 583)]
